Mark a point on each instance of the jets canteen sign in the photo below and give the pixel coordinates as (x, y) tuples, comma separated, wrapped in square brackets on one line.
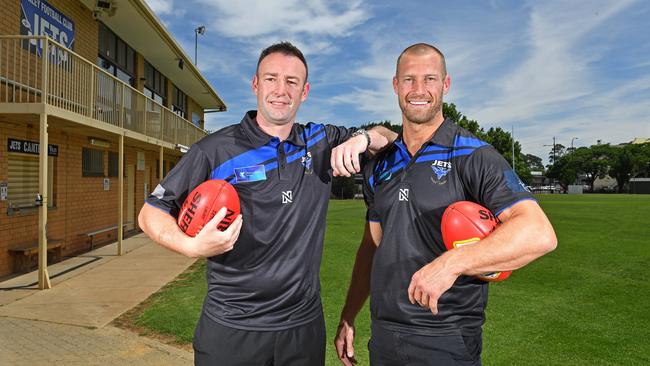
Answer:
[(30, 147)]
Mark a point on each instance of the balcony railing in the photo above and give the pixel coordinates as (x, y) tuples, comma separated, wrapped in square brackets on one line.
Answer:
[(68, 81)]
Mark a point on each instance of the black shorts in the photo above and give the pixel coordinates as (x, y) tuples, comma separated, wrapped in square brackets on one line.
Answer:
[(216, 344), (388, 348)]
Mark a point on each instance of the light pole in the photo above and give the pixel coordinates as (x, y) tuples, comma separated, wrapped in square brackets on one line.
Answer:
[(553, 152), (513, 148), (575, 138), (199, 30)]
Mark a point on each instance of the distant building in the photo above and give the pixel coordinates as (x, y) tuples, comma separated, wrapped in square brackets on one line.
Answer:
[(109, 82), (640, 140), (640, 185)]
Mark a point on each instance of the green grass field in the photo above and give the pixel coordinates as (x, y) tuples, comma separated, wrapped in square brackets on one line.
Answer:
[(587, 303)]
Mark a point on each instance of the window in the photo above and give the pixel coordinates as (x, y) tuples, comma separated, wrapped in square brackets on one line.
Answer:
[(22, 182), (113, 163), (179, 102), (196, 119), (92, 163), (115, 56), (155, 83)]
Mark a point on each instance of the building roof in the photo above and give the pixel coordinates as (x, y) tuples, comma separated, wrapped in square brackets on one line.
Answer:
[(137, 25), (640, 140)]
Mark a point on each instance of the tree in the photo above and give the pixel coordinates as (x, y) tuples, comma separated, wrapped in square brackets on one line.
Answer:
[(557, 151), (534, 163), (622, 165), (343, 187), (386, 123), (449, 111), (592, 161), (564, 171), (644, 154), (502, 141), (629, 161)]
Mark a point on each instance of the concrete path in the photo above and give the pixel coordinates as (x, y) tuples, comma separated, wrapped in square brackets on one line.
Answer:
[(68, 324)]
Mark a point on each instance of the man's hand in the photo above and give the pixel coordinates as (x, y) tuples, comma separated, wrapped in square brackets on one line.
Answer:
[(344, 343), (345, 157), (211, 241), (430, 282)]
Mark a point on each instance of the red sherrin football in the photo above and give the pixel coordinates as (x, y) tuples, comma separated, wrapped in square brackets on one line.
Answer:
[(204, 202), (466, 222)]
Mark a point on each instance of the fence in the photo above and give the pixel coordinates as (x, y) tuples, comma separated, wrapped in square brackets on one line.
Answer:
[(68, 81)]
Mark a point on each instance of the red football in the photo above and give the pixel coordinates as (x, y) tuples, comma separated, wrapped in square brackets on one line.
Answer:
[(466, 222), (204, 202)]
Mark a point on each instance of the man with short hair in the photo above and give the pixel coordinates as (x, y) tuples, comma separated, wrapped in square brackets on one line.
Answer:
[(263, 303), (427, 308)]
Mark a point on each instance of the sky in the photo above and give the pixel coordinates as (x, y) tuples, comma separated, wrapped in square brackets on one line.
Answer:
[(578, 71)]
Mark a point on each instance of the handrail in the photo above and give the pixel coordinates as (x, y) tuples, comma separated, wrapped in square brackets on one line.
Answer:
[(78, 85)]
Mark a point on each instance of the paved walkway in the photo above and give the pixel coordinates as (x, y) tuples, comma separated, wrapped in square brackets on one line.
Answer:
[(68, 324)]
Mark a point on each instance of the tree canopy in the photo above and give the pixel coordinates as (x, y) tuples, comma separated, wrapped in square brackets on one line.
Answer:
[(620, 162)]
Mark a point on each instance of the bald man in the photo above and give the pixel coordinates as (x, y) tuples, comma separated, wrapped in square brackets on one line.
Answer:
[(427, 308)]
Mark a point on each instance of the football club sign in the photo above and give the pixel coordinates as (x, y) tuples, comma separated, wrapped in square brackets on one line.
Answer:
[(39, 18)]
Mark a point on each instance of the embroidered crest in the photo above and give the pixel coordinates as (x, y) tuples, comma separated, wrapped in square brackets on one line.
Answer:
[(440, 170), (307, 163)]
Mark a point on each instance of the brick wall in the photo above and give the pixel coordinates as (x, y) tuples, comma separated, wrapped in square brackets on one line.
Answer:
[(82, 204)]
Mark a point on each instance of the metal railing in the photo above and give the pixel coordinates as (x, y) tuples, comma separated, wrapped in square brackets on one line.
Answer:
[(68, 81)]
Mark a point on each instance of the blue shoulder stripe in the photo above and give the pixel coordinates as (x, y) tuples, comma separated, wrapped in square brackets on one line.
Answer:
[(290, 148), (314, 139), (466, 141), (445, 156), (434, 148), (312, 129), (296, 156)]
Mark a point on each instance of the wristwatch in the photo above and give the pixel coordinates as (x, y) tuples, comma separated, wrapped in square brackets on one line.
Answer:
[(362, 131)]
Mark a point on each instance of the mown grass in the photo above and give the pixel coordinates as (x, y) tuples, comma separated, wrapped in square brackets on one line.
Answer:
[(587, 303)]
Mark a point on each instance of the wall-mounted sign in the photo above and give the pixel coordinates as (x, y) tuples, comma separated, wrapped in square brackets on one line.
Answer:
[(107, 184), (39, 18), (30, 147), (3, 191)]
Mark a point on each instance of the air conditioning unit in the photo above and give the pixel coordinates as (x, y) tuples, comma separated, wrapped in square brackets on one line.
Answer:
[(105, 6)]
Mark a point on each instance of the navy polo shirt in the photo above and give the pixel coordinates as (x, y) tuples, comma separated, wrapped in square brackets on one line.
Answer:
[(270, 280), (408, 195)]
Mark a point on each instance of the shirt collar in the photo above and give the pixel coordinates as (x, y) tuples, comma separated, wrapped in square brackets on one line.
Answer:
[(260, 138), (444, 135)]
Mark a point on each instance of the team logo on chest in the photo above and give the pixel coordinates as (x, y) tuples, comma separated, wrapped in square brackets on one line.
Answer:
[(307, 163), (440, 171), (403, 194), (287, 197)]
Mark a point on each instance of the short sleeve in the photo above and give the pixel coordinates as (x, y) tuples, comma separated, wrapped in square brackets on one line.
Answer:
[(491, 182), (369, 191), (336, 135), (192, 170)]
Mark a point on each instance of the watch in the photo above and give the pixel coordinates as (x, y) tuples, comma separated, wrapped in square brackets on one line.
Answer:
[(362, 131)]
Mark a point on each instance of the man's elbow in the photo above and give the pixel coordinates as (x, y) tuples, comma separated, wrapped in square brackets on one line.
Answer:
[(547, 240), (143, 218)]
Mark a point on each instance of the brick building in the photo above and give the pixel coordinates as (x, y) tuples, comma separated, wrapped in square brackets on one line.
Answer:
[(107, 87)]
